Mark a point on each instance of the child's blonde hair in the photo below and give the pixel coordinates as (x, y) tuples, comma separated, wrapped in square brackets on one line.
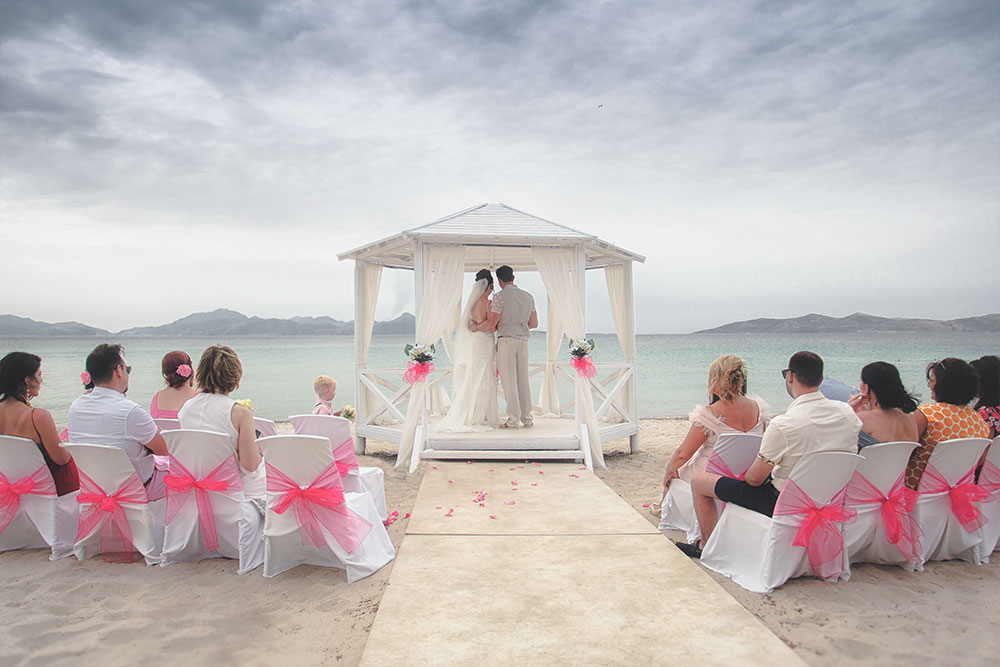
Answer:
[(324, 382)]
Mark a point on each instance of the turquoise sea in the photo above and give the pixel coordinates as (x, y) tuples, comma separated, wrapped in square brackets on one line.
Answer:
[(673, 369)]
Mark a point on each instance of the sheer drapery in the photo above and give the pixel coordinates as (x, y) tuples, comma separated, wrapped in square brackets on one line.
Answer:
[(623, 314), (548, 400), (560, 273), (367, 278), (440, 301)]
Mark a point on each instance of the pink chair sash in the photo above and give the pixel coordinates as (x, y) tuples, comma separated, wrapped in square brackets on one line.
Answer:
[(717, 466), (345, 457), (963, 496), (97, 507), (39, 483), (418, 372), (319, 504), (901, 529), (818, 532), (989, 477), (180, 483)]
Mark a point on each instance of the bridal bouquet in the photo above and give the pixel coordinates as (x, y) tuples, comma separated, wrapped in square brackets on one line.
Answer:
[(246, 403), (582, 362), (420, 364)]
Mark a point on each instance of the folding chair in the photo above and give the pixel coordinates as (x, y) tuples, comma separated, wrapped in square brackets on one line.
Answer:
[(32, 516), (989, 479), (884, 530), (116, 517), (804, 537), (356, 478), (731, 457), (948, 499), (265, 427), (309, 518), (207, 515)]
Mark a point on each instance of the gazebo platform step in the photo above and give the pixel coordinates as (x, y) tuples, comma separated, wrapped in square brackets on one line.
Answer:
[(493, 454)]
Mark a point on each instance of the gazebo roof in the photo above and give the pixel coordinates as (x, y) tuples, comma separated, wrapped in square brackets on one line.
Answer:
[(494, 234)]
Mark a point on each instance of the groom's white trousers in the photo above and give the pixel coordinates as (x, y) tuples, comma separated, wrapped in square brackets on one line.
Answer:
[(512, 362)]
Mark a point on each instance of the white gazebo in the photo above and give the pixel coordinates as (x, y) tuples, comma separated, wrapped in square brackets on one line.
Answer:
[(603, 408)]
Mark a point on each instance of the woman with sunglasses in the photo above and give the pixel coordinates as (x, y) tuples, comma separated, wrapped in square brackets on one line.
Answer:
[(953, 384)]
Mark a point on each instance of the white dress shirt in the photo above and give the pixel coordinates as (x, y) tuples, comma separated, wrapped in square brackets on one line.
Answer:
[(106, 417)]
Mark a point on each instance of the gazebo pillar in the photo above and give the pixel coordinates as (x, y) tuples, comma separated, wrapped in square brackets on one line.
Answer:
[(633, 399), (360, 359)]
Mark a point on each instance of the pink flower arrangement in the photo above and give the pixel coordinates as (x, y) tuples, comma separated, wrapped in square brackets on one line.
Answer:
[(184, 370), (85, 377)]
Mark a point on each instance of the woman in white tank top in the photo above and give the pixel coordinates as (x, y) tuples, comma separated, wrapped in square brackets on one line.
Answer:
[(219, 372)]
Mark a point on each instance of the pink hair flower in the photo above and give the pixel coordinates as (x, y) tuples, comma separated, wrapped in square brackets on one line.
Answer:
[(184, 370), (85, 377)]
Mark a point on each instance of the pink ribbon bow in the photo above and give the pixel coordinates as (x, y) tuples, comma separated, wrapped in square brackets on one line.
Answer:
[(418, 372), (584, 366), (319, 504), (901, 529), (345, 457), (963, 496), (38, 483), (97, 507), (989, 477), (818, 532), (718, 466), (180, 483)]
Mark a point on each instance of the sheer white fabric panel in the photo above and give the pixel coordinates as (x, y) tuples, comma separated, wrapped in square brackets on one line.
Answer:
[(368, 278), (623, 314), (560, 273), (548, 401), (440, 303)]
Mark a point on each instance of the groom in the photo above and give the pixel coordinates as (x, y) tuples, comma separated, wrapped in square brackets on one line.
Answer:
[(513, 316)]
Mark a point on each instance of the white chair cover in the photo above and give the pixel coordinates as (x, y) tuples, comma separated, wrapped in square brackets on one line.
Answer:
[(238, 525), (944, 536), (167, 424), (883, 467), (266, 427), (757, 551), (38, 519), (303, 458), (338, 431), (989, 479), (735, 452), (110, 468)]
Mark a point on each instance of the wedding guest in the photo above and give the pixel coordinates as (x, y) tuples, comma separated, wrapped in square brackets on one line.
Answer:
[(953, 384), (20, 381), (988, 405), (106, 417), (884, 406), (218, 375), (729, 411), (179, 376), (326, 389)]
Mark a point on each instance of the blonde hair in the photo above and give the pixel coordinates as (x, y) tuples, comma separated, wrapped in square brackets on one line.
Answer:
[(727, 377), (324, 382), (219, 370)]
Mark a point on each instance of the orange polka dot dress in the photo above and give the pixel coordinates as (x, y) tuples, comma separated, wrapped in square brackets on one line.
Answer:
[(944, 422)]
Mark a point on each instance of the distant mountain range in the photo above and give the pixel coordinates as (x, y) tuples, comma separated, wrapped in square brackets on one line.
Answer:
[(859, 323), (221, 322)]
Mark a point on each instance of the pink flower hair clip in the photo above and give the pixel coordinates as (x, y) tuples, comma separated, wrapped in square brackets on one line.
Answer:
[(85, 377), (184, 371)]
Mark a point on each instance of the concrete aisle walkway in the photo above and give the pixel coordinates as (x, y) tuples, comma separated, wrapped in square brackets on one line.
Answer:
[(553, 569)]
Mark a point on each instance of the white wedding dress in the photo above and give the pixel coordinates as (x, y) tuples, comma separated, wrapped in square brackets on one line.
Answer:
[(474, 401)]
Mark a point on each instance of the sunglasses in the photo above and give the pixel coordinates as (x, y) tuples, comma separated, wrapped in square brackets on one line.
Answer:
[(784, 373), (128, 370)]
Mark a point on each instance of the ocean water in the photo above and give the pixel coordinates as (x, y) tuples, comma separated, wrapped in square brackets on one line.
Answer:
[(672, 369)]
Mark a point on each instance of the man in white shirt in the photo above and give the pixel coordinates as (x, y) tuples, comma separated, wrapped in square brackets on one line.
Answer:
[(106, 417), (512, 314), (813, 423)]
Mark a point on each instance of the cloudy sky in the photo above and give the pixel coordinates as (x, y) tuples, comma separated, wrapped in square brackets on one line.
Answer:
[(769, 159)]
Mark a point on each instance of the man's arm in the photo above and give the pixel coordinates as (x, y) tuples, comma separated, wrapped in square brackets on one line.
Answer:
[(140, 426), (157, 445), (758, 472), (489, 324), (533, 320)]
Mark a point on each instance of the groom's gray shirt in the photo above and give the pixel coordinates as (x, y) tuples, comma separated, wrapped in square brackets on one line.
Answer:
[(515, 307)]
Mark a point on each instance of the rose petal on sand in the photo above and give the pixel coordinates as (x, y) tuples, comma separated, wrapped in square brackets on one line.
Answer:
[(493, 516), (509, 502), (438, 507), (574, 475), (451, 481), (541, 472), (645, 504), (450, 512), (482, 504), (514, 483), (434, 467), (406, 516), (583, 467), (468, 463), (534, 483)]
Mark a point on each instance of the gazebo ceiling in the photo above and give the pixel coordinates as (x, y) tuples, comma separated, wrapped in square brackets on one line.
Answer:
[(494, 234)]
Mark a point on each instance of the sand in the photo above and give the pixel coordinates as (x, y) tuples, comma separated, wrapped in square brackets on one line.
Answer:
[(71, 613)]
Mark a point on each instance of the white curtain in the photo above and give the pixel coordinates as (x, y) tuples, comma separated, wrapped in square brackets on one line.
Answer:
[(367, 279), (623, 314), (440, 301), (548, 401), (560, 273)]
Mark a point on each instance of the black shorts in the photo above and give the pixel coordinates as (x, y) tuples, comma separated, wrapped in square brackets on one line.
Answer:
[(757, 498)]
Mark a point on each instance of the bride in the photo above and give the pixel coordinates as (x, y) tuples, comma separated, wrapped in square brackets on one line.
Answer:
[(474, 404)]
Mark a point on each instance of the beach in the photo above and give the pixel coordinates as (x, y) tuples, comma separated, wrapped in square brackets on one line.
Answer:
[(70, 612)]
